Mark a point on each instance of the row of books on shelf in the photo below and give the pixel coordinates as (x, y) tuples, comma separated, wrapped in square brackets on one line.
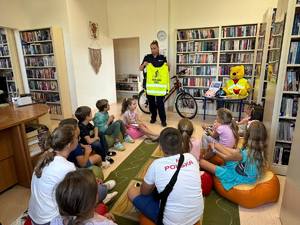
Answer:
[(197, 34), (3, 39), (45, 73), (281, 154), (197, 58), (277, 28), (42, 48), (259, 57), (276, 42), (198, 82), (195, 92), (294, 53), (198, 70), (55, 109), (292, 81), (45, 97), (4, 50), (261, 42), (37, 35), (8, 74), (11, 87), (239, 31), (236, 57), (5, 63), (289, 107), (197, 46), (39, 61), (126, 87), (296, 25), (43, 85), (225, 69), (285, 130), (244, 44)]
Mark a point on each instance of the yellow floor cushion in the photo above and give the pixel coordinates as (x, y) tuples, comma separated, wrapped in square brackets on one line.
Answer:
[(265, 190)]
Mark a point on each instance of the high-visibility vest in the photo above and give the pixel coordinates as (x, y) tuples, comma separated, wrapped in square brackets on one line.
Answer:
[(158, 80)]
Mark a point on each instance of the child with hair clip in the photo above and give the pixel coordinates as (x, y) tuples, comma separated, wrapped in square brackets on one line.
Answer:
[(224, 131), (190, 144), (135, 127), (76, 197), (243, 166)]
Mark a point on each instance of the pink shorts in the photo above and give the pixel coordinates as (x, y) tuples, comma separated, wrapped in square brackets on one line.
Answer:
[(134, 132)]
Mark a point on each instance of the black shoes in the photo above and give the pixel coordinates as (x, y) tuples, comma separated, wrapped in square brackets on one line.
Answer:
[(164, 124), (111, 153), (152, 121)]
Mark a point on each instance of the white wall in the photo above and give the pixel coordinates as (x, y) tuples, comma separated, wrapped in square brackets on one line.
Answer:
[(127, 55), (90, 86)]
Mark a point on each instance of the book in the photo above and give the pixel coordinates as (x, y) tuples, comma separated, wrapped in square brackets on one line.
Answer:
[(246, 44), (239, 31)]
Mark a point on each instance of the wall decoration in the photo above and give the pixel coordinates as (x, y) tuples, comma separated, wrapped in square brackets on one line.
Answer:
[(94, 31), (95, 59)]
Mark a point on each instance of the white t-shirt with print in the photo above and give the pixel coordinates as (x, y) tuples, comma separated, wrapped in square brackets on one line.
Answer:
[(42, 203), (185, 203)]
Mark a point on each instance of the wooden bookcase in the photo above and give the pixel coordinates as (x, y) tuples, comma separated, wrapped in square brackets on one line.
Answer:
[(9, 64), (208, 53), (283, 85), (127, 85), (46, 71)]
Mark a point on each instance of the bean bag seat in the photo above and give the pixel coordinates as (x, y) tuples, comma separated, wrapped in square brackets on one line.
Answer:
[(97, 171), (206, 182), (110, 141), (145, 221), (101, 209), (265, 190)]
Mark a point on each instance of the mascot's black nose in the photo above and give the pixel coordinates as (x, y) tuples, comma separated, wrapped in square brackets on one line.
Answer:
[(234, 74)]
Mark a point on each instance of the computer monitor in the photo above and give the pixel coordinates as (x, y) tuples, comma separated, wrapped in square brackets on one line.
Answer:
[(3, 90)]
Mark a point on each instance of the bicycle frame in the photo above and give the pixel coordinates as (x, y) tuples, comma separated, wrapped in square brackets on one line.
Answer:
[(177, 86)]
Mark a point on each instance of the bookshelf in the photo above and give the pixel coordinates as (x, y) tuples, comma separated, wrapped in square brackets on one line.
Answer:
[(46, 72), (127, 85), (282, 97), (9, 66), (208, 53), (264, 49)]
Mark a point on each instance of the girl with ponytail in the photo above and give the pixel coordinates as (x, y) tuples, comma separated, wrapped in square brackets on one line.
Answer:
[(49, 171), (190, 144)]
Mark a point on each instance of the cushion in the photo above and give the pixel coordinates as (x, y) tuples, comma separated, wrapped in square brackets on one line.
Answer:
[(101, 209), (206, 182), (265, 190), (145, 221), (110, 141)]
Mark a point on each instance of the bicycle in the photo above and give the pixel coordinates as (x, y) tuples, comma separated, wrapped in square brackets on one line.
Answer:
[(185, 104)]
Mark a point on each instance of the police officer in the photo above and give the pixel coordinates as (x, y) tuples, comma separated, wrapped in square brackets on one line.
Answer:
[(156, 103)]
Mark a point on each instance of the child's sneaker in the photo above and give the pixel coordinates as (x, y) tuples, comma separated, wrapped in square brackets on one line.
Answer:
[(110, 160), (109, 197), (128, 139), (118, 146), (105, 164), (110, 184), (111, 153)]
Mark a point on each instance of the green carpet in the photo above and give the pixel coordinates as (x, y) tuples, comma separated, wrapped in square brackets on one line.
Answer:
[(217, 210)]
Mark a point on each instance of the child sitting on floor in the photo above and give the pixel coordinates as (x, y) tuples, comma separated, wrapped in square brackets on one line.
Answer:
[(76, 197), (224, 131), (81, 156), (106, 125), (135, 127), (190, 144), (243, 166), (89, 134)]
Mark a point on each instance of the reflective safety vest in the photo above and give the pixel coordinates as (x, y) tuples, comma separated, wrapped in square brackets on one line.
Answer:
[(158, 80)]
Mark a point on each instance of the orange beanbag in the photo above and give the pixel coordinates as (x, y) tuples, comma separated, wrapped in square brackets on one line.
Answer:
[(145, 221), (265, 190)]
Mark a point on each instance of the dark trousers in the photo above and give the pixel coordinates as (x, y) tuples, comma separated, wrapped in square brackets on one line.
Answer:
[(99, 149), (157, 103)]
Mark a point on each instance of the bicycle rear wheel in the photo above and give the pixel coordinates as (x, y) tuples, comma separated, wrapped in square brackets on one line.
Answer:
[(143, 102), (186, 105)]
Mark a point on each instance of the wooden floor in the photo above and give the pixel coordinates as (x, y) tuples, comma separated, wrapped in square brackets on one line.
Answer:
[(14, 201)]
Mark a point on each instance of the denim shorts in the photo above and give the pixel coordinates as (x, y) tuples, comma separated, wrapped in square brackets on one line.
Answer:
[(147, 205)]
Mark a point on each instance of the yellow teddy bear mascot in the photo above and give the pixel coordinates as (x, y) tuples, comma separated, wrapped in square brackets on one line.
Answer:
[(237, 85)]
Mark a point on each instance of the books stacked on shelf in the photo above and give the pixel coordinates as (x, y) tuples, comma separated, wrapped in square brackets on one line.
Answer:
[(239, 31), (281, 154), (36, 135), (46, 97), (42, 48), (274, 56), (198, 70), (259, 57), (4, 50), (196, 58), (292, 81), (285, 131), (296, 25), (197, 82), (35, 85), (289, 106), (55, 109), (43, 61), (197, 46), (3, 39), (45, 73), (236, 57), (225, 70), (126, 87), (36, 35), (195, 92), (204, 33), (246, 44), (294, 54), (5, 63)]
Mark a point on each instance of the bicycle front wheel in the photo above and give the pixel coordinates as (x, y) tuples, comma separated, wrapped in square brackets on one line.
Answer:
[(143, 102), (186, 105)]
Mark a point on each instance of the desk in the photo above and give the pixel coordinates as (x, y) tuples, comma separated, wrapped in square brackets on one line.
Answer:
[(224, 100), (15, 161)]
